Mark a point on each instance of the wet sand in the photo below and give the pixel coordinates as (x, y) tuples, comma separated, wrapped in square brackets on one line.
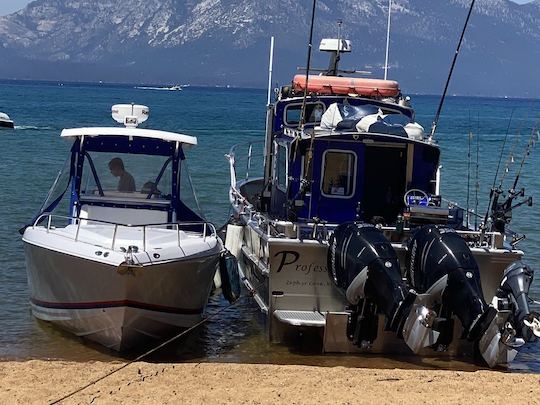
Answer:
[(39, 381)]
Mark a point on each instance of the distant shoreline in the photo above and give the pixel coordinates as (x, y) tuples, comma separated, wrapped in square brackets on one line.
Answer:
[(209, 86)]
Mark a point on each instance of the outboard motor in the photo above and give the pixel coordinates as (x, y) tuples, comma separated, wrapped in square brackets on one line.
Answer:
[(365, 267), (440, 263), (513, 294), (441, 266)]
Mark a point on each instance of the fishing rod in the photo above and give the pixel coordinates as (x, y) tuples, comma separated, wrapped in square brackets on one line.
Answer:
[(510, 159), (469, 169), (302, 121), (438, 115), (495, 192), (501, 213), (477, 179), (387, 39), (535, 135), (309, 153)]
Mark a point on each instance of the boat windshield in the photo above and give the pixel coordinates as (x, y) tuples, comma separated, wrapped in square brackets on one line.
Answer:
[(126, 176)]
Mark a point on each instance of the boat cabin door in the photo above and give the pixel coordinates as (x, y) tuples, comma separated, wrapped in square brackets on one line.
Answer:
[(385, 174)]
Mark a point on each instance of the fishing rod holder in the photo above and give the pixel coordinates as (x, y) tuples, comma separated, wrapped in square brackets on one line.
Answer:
[(501, 213)]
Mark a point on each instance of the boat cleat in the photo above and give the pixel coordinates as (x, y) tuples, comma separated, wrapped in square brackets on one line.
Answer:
[(418, 330)]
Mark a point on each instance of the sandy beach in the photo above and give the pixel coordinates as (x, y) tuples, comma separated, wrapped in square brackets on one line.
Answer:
[(40, 381)]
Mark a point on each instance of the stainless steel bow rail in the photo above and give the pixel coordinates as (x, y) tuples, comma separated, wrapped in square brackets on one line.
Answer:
[(208, 229)]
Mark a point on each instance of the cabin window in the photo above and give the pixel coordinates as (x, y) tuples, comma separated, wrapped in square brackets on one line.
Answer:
[(281, 167), (314, 112), (338, 174), (126, 176)]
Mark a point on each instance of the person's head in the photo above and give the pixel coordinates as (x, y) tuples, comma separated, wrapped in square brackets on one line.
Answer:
[(116, 166)]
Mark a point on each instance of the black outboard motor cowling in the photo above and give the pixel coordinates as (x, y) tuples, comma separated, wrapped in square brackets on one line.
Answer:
[(436, 253), (364, 265), (514, 289)]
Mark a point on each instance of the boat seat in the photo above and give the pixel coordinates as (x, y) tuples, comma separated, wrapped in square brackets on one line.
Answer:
[(130, 216)]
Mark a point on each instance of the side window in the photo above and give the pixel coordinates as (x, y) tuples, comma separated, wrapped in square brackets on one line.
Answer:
[(339, 174), (281, 166), (314, 112)]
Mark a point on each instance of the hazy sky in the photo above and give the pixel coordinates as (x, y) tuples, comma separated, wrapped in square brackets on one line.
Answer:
[(9, 6)]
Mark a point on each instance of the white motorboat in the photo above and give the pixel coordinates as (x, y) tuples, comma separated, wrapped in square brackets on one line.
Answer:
[(5, 121), (176, 87), (129, 260)]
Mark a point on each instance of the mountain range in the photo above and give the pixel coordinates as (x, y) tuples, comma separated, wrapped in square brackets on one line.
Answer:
[(226, 42)]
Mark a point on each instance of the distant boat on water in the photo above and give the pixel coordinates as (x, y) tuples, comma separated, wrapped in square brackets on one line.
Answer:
[(176, 87), (5, 121)]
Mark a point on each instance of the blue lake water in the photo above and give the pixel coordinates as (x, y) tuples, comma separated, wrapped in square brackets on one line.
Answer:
[(32, 154)]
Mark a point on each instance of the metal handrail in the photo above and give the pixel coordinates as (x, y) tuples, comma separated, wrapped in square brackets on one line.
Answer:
[(209, 230), (231, 156)]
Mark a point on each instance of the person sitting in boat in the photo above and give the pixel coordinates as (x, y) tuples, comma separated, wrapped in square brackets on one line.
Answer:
[(126, 182)]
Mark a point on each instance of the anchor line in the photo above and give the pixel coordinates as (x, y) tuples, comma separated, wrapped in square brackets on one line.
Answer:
[(251, 292)]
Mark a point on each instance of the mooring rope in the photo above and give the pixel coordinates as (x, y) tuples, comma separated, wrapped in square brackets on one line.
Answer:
[(142, 356)]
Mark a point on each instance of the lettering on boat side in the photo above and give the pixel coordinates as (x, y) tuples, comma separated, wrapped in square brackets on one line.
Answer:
[(289, 257), (285, 254)]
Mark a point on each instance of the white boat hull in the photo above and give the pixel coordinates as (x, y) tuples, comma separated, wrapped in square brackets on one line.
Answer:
[(119, 307)]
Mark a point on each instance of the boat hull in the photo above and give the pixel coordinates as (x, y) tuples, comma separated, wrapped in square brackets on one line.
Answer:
[(118, 307), (6, 124), (290, 276)]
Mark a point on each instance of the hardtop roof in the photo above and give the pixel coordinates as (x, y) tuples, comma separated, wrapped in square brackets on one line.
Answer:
[(129, 132)]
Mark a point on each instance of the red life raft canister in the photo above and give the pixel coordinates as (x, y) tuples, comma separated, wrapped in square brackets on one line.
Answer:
[(347, 85)]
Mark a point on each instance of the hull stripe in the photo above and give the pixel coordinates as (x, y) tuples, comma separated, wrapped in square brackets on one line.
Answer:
[(115, 304)]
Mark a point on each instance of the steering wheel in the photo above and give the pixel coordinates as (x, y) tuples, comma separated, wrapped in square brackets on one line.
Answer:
[(415, 196)]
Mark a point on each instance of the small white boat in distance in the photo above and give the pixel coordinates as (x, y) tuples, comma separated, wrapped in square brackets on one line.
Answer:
[(5, 121), (176, 87), (129, 259)]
